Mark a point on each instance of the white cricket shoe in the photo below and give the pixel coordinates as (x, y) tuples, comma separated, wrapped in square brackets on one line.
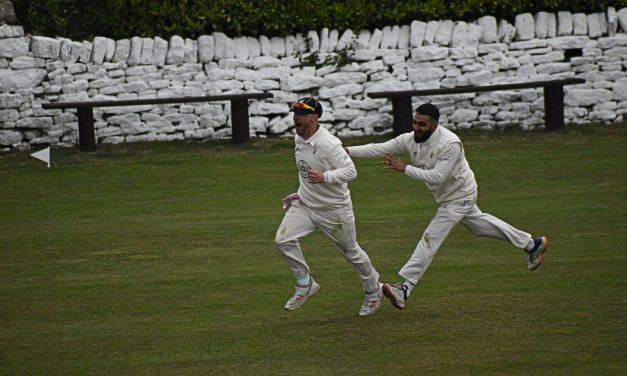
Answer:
[(396, 293), (372, 303), (534, 257), (301, 295)]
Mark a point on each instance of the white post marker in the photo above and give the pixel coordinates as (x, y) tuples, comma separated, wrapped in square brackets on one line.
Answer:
[(43, 155)]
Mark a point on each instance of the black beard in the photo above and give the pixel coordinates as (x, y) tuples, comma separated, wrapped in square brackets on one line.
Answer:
[(420, 138)]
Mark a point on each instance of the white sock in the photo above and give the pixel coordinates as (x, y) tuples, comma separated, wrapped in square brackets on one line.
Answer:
[(304, 281), (530, 245), (408, 286)]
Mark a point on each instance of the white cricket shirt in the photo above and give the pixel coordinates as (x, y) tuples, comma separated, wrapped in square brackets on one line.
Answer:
[(439, 162), (324, 152)]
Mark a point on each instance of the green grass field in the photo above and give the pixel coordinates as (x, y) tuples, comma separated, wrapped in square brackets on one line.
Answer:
[(157, 259)]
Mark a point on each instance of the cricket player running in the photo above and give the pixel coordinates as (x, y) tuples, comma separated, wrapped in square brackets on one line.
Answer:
[(323, 201), (437, 159)]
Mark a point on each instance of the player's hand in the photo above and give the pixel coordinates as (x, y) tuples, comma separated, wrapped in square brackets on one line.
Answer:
[(315, 176), (393, 162)]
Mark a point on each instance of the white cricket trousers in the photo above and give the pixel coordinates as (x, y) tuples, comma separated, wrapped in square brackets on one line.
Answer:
[(447, 216), (338, 225)]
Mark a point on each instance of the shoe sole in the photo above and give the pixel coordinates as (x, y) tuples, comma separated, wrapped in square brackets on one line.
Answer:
[(390, 295), (304, 301), (546, 246)]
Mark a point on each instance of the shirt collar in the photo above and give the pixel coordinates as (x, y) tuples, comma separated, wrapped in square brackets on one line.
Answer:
[(314, 138)]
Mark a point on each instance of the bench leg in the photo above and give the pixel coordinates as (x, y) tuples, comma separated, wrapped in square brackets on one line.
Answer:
[(402, 114), (554, 107), (239, 120), (86, 132)]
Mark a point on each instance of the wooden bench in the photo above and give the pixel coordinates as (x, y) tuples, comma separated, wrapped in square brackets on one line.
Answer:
[(402, 110), (86, 132)]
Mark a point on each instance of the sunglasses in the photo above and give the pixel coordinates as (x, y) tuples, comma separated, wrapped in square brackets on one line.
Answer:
[(303, 106)]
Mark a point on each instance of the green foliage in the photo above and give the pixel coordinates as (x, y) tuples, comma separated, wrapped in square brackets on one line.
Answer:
[(79, 19)]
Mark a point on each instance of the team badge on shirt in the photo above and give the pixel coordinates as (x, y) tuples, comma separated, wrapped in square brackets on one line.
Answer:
[(303, 169)]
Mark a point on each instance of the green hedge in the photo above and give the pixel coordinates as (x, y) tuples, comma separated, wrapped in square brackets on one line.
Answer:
[(118, 19)]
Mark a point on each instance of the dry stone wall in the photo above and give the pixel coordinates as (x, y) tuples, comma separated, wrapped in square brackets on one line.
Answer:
[(422, 55)]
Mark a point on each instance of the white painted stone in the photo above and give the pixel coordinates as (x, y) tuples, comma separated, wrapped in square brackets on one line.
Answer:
[(403, 37), (552, 68), (462, 115), (506, 32), (616, 41), (525, 26), (160, 52), (176, 50), (65, 51), (313, 41), (206, 48), (564, 23), (148, 45), (265, 85), (279, 124), (11, 80), (444, 33), (290, 45), (300, 82), (417, 33), (580, 24), (265, 62), (224, 46), (10, 31), (190, 51), (10, 137), (619, 90), (254, 48), (334, 35), (540, 22), (425, 74), (554, 56), (371, 121), (346, 40), (244, 74), (386, 38), (363, 39), (265, 108), (274, 73), (621, 16), (135, 52), (388, 85), (475, 78), (345, 114), (241, 48), (586, 97), (265, 47), (45, 47), (528, 44), (14, 47), (341, 90), (551, 25), (596, 25), (618, 52), (568, 42), (429, 53), (431, 29), (364, 55), (342, 78), (488, 29), (324, 40), (277, 46)]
